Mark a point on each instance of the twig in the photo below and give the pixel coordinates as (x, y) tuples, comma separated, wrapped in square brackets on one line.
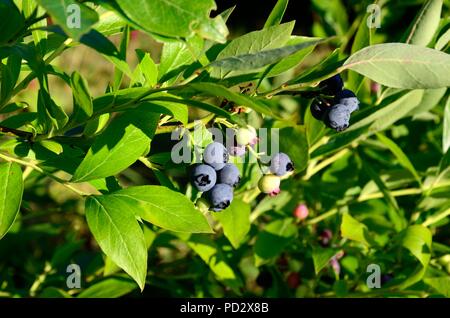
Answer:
[(39, 169)]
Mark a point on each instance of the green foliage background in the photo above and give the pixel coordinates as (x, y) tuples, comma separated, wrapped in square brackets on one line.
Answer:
[(86, 116)]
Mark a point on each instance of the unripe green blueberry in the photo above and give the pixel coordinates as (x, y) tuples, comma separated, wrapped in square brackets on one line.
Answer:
[(444, 260), (270, 184), (246, 136)]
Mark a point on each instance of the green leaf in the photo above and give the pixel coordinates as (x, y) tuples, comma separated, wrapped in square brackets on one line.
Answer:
[(109, 23), (396, 219), (51, 117), (321, 257), (11, 190), (362, 39), (75, 18), (252, 62), (147, 68), (104, 46), (235, 221), (417, 239), (446, 133), (175, 57), (440, 284), (426, 23), (386, 115), (293, 60), (431, 97), (354, 230), (181, 19), (53, 292), (209, 252), (443, 40), (111, 287), (339, 141), (276, 15), (9, 74), (401, 65), (191, 102), (400, 155), (164, 207), (252, 43), (96, 125), (176, 110), (126, 139), (240, 99), (293, 141), (273, 239), (315, 129), (11, 21), (115, 228), (83, 107)]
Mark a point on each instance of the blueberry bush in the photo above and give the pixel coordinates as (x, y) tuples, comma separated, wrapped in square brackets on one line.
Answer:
[(149, 149)]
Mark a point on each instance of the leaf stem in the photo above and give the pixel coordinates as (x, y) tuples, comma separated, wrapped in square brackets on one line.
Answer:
[(39, 169)]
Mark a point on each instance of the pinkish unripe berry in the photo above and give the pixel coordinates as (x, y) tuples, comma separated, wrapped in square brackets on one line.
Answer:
[(301, 211)]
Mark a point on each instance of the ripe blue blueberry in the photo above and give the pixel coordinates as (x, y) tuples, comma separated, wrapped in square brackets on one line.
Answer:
[(332, 86), (319, 109), (281, 164), (203, 177), (229, 175), (339, 117), (216, 155), (220, 196), (349, 99)]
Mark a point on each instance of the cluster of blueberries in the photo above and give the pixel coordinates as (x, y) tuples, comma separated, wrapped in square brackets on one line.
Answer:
[(217, 178), (335, 111)]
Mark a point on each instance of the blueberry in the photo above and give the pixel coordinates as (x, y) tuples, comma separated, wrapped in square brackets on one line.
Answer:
[(220, 196), (246, 136), (332, 86), (269, 184), (229, 175), (281, 164), (216, 155), (338, 117), (203, 177), (319, 109), (233, 148), (264, 279), (325, 237), (237, 151), (349, 99)]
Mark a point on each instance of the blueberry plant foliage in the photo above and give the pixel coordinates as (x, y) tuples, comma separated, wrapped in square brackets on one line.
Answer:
[(94, 183)]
